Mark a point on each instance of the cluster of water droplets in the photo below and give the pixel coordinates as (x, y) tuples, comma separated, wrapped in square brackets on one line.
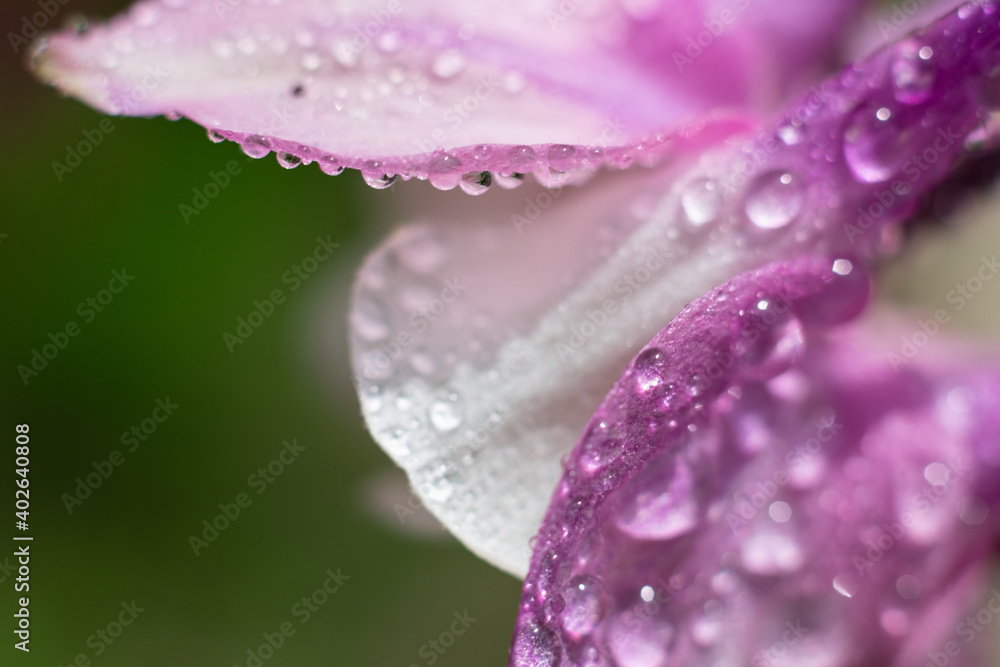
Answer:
[(723, 495)]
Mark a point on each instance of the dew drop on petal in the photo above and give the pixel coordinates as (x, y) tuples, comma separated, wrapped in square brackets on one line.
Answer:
[(845, 584), (640, 645), (476, 182), (288, 160), (774, 200), (771, 553), (447, 65), (913, 73), (508, 181), (780, 511), (378, 180), (701, 201), (585, 606), (877, 142), (256, 146), (662, 505), (215, 137), (537, 646), (330, 165), (446, 414)]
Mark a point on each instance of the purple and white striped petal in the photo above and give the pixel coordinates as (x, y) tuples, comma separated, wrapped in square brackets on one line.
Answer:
[(758, 489), (479, 389), (445, 89)]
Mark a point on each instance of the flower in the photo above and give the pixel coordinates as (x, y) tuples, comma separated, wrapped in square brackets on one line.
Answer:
[(765, 482)]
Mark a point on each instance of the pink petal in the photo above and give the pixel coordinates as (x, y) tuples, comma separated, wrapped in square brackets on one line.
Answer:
[(559, 289), (438, 90), (756, 490)]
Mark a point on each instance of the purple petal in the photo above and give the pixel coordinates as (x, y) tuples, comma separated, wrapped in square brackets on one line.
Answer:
[(560, 288), (439, 90), (758, 490)]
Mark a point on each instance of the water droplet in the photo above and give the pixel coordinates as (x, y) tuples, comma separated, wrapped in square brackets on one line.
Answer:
[(780, 511), (913, 73), (330, 165), (878, 141), (561, 156), (585, 605), (790, 135), (423, 363), (476, 182), (601, 446), (937, 474), (845, 584), (774, 200), (368, 320), (973, 511), (288, 160), (508, 181), (645, 644), (256, 146), (701, 201), (537, 646), (311, 61), (447, 65), (389, 41), (215, 137), (440, 485), (345, 52), (446, 414), (706, 630), (444, 171), (378, 180), (520, 156), (662, 505), (771, 553)]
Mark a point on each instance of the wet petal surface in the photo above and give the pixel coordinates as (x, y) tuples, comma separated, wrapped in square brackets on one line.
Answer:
[(757, 489), (553, 291), (440, 90)]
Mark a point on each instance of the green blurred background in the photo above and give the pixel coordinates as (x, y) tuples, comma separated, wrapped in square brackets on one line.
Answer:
[(162, 337)]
